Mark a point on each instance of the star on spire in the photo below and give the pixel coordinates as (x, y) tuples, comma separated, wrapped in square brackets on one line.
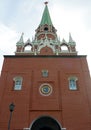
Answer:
[(46, 2)]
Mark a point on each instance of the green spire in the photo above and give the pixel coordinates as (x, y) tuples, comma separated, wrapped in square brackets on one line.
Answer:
[(46, 19), (20, 42)]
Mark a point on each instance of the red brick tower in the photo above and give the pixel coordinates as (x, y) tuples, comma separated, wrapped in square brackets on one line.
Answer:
[(48, 82)]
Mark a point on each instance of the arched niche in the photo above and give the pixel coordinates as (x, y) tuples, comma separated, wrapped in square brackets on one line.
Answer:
[(64, 48), (27, 47)]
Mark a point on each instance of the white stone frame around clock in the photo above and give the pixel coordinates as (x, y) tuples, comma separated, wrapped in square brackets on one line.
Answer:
[(45, 94)]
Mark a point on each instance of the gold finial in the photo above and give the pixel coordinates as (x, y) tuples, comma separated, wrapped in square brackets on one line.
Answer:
[(46, 2)]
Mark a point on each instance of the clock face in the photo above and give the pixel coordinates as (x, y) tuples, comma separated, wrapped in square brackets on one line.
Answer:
[(45, 89)]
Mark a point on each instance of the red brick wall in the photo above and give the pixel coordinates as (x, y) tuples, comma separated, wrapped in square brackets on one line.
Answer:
[(70, 108)]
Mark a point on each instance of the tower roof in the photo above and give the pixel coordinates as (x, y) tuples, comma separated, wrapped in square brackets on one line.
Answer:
[(46, 19), (46, 41)]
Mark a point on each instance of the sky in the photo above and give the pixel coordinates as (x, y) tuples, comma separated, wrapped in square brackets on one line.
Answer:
[(24, 16)]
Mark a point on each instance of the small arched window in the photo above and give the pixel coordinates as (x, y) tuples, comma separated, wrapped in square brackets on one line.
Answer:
[(73, 83), (18, 83), (64, 48), (27, 48), (46, 29)]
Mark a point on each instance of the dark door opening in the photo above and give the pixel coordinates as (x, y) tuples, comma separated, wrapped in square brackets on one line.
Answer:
[(45, 123), (45, 128)]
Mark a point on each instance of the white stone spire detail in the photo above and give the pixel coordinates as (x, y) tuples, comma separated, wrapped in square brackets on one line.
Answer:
[(63, 41), (71, 41), (21, 42)]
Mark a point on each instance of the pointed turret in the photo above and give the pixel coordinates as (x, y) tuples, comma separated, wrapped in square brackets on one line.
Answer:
[(72, 44), (46, 27), (71, 41), (20, 42)]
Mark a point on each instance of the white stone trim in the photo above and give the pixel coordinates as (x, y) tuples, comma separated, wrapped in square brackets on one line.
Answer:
[(26, 128), (44, 94)]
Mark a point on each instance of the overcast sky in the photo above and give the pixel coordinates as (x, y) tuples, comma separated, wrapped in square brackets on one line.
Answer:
[(17, 16)]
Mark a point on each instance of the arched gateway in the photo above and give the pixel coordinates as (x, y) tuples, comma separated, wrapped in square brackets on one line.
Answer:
[(45, 123)]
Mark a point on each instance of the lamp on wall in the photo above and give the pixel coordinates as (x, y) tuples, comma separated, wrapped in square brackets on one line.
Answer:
[(11, 108)]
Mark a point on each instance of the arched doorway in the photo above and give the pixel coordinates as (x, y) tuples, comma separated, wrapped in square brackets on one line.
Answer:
[(45, 123)]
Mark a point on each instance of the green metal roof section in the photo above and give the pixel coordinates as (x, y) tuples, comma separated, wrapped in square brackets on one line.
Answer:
[(20, 42), (46, 19)]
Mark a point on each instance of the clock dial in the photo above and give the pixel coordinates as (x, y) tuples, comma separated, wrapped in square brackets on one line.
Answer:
[(45, 89)]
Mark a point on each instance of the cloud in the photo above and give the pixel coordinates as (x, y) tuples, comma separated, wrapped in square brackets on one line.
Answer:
[(73, 3), (8, 39)]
